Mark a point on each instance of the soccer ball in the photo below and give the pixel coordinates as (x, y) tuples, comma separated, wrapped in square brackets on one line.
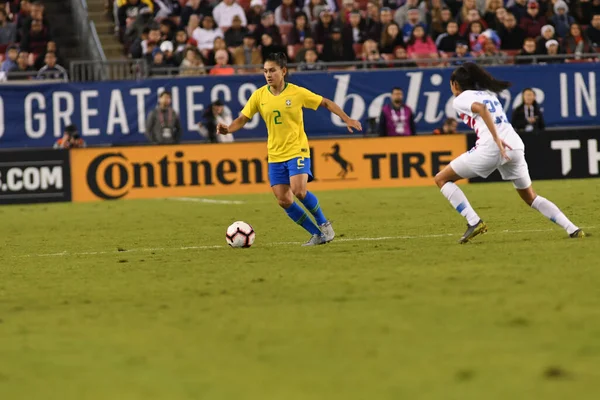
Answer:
[(240, 234)]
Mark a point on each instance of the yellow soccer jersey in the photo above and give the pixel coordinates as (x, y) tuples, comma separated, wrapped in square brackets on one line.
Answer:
[(284, 119)]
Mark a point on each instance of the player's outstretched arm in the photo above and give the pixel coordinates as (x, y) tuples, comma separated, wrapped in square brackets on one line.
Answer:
[(334, 108), (236, 125)]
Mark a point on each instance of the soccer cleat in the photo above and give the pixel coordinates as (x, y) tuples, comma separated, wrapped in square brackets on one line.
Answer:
[(327, 231), (472, 231), (577, 234), (315, 240)]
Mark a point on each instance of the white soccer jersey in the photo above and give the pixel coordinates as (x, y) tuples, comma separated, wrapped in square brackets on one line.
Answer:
[(462, 104)]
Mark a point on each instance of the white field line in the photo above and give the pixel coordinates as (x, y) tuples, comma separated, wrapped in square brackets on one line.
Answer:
[(207, 201), (273, 244)]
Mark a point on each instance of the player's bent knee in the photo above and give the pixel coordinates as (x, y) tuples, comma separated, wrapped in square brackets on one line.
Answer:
[(440, 180), (300, 193), (285, 202)]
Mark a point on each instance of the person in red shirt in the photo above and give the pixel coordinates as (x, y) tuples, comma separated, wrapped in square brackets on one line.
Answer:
[(533, 21), (222, 66)]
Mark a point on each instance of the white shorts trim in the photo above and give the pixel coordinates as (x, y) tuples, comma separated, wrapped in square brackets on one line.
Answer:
[(480, 162)]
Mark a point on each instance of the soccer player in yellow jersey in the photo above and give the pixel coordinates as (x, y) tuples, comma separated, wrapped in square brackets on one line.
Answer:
[(280, 105)]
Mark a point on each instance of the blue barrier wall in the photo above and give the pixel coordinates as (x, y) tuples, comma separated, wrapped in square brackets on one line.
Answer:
[(114, 112)]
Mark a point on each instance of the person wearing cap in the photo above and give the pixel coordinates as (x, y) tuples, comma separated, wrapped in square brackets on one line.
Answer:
[(552, 50), (547, 33), (337, 48), (267, 25), (324, 26), (215, 114), (533, 21), (70, 139), (255, 11), (461, 53), (167, 49), (247, 53), (224, 12), (285, 13), (528, 117), (163, 125), (561, 18), (235, 34)]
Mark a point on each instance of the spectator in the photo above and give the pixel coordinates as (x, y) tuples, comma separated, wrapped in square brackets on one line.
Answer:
[(577, 42), (22, 15), (500, 15), (309, 44), (247, 53), (372, 21), (311, 62), (313, 8), (511, 36), (519, 9), (446, 17), (181, 43), (532, 22), (191, 65), (348, 6), (446, 42), (10, 60), (255, 12), (267, 25), (127, 13), (593, 32), (52, 70), (561, 20), (526, 54), (385, 18), (159, 67), (136, 28), (224, 12), (150, 44), (199, 8), (463, 15), (472, 16), (218, 44), (414, 19), (324, 27), (235, 34), (473, 32), (222, 66), (8, 30), (23, 70), (206, 35), (337, 48), (462, 53), (528, 117), (216, 114), (420, 44), (390, 39), (589, 8), (167, 48), (167, 30), (401, 15), (300, 31), (163, 125), (40, 59), (36, 13), (167, 9), (490, 13), (37, 38), (285, 13), (435, 21), (70, 139), (448, 128), (355, 29), (397, 119), (491, 55), (400, 54), (371, 55), (547, 34), (552, 50), (269, 46)]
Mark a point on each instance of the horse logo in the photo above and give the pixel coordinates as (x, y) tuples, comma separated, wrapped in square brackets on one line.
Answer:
[(344, 164)]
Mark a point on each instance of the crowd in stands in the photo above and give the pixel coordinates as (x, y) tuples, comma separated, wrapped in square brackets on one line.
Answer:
[(27, 50), (210, 36)]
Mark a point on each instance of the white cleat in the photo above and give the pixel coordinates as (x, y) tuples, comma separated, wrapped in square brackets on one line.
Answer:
[(315, 240), (327, 231)]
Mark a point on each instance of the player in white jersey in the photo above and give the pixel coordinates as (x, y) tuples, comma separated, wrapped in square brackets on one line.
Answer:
[(498, 147)]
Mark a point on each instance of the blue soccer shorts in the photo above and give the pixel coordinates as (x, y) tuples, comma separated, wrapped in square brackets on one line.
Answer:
[(280, 172)]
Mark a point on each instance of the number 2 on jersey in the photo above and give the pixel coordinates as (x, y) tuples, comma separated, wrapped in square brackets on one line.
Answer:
[(277, 117), (491, 106)]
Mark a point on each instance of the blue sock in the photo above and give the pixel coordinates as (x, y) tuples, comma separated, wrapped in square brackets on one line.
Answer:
[(299, 216), (312, 204)]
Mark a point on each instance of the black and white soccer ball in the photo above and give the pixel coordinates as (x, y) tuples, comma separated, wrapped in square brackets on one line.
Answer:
[(240, 235)]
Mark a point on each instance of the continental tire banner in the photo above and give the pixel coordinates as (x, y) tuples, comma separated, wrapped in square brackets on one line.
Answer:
[(558, 155), (40, 176), (239, 168)]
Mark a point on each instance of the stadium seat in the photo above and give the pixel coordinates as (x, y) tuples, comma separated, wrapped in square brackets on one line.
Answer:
[(292, 50)]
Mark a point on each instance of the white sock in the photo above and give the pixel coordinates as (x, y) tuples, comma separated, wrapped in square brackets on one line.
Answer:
[(459, 201), (553, 213)]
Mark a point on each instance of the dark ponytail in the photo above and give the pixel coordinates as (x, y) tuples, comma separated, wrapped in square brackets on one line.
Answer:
[(281, 60), (470, 76)]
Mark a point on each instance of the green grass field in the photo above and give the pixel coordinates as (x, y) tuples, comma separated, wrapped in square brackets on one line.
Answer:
[(126, 300)]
